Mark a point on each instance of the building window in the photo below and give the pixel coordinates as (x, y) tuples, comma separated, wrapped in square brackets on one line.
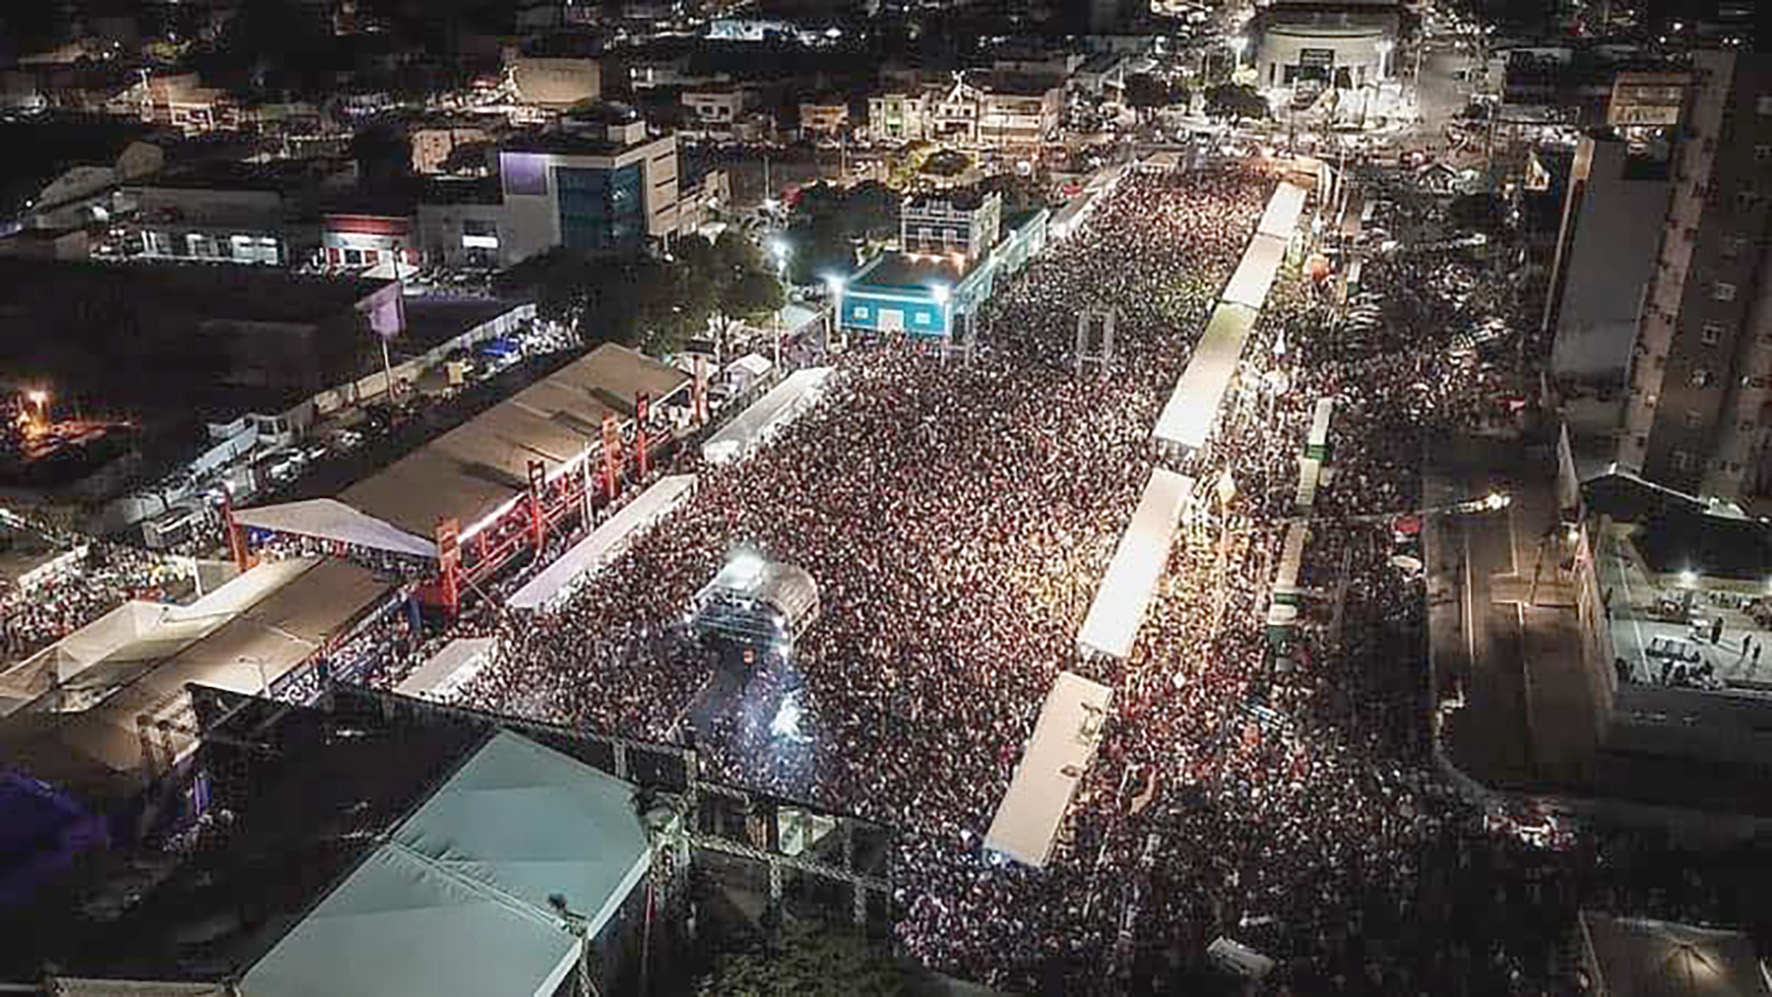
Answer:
[(1763, 105), (1723, 291), (353, 257), (1711, 334), (1746, 198), (1694, 419), (861, 311), (1762, 153), (1682, 460), (1733, 245), (1702, 377)]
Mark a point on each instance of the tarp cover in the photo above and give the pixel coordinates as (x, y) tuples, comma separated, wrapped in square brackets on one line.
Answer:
[(1131, 578), (1057, 755), (330, 519), (589, 555), (458, 901)]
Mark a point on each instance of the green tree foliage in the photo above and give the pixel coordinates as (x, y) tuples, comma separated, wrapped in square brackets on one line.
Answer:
[(1235, 101), (807, 963), (1145, 92), (829, 222)]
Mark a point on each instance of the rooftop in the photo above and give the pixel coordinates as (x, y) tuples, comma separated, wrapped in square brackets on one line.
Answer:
[(905, 270)]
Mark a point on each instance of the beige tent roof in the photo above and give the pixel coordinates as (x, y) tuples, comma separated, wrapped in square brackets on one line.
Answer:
[(98, 752), (472, 470)]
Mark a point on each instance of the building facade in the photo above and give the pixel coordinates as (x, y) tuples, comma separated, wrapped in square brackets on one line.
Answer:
[(612, 189), (967, 224), (1698, 412), (824, 119), (1342, 44), (900, 116)]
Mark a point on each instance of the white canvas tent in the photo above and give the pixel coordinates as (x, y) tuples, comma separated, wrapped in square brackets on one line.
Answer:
[(1063, 744), (457, 901), (1284, 208), (1132, 576), (1192, 410), (330, 519), (779, 406), (445, 671), (604, 544), (1256, 271)]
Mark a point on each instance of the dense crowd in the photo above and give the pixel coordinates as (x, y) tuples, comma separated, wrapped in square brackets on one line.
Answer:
[(37, 615), (958, 515)]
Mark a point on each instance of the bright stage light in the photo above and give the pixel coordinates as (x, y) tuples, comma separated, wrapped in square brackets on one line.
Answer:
[(786, 724)]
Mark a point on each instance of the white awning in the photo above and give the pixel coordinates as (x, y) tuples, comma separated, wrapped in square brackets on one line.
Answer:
[(605, 543), (458, 900), (1255, 274), (330, 519), (458, 661), (1283, 210), (1191, 412), (1131, 579), (1057, 755), (775, 409)]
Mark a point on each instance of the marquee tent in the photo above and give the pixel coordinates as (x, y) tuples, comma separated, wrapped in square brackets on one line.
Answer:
[(1131, 578), (1064, 741)]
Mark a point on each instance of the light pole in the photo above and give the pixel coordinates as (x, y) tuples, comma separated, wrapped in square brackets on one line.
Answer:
[(779, 249), (943, 295), (836, 283), (1238, 45)]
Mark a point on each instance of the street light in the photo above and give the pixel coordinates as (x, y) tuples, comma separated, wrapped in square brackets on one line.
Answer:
[(835, 283), (1238, 44)]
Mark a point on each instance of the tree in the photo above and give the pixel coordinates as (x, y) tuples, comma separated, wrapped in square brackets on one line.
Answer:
[(1483, 212), (813, 963), (1145, 93), (1235, 101)]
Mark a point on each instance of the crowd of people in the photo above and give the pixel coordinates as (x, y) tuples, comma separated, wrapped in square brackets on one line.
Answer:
[(36, 615), (958, 515)]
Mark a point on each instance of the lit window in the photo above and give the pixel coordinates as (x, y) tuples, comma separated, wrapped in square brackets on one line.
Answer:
[(1723, 291), (1764, 104), (1711, 334)]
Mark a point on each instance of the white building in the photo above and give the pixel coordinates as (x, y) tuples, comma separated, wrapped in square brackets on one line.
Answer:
[(1341, 43)]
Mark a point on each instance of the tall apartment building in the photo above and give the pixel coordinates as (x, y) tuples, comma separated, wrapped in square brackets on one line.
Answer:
[(1698, 416)]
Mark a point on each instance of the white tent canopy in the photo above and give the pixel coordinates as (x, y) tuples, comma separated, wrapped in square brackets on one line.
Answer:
[(605, 543), (330, 519), (779, 406), (445, 671), (457, 902), (1283, 210), (1192, 410), (1064, 741), (1132, 576), (1255, 273)]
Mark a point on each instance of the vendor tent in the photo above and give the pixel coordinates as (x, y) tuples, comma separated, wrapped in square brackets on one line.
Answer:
[(330, 519)]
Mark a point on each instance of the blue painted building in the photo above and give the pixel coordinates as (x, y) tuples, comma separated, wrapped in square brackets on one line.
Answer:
[(922, 294)]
